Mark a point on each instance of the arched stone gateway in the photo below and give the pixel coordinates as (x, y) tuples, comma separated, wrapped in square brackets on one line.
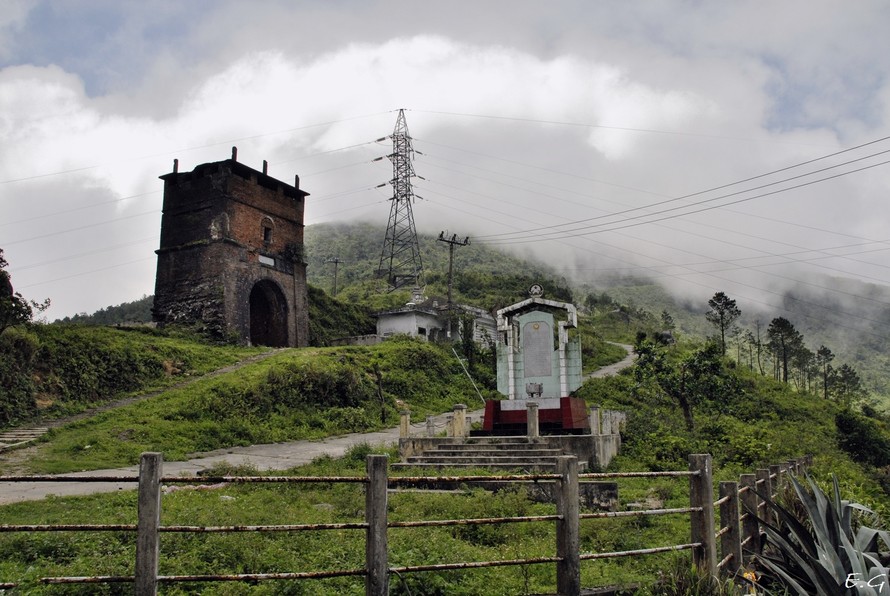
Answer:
[(231, 255), (268, 315)]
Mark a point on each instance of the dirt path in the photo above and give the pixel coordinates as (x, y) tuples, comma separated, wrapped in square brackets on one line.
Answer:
[(12, 438)]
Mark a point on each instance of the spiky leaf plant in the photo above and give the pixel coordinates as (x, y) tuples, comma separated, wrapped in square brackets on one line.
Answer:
[(830, 552)]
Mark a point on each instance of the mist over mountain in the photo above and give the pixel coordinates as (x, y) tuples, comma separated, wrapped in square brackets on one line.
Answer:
[(849, 316)]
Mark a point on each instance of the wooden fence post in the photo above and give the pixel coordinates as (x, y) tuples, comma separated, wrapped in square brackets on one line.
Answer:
[(701, 496), (775, 472), (568, 541), (764, 488), (764, 483), (730, 542), (376, 546), (750, 523), (148, 524)]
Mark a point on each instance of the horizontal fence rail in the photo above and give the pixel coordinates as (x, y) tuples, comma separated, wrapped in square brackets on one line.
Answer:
[(738, 532)]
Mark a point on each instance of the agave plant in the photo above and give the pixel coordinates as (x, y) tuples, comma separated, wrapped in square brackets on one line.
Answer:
[(829, 553)]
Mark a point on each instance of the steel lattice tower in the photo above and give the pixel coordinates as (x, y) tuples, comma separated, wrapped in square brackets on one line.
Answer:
[(400, 258)]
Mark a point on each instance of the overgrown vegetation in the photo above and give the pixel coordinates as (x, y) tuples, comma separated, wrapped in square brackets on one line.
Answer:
[(56, 370), (331, 319), (297, 394)]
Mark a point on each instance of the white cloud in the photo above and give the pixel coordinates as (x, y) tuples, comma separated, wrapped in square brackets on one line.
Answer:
[(725, 93)]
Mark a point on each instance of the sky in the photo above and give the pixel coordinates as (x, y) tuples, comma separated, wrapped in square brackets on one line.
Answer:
[(740, 147)]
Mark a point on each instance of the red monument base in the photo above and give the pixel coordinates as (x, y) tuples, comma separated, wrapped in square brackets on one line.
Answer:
[(556, 416)]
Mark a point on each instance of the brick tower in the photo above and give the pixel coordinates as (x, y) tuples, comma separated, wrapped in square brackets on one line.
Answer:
[(231, 255)]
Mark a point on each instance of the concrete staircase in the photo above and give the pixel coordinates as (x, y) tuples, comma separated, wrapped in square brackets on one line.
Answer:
[(20, 436), (495, 453)]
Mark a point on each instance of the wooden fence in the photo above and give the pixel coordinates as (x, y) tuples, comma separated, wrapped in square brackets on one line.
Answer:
[(738, 533)]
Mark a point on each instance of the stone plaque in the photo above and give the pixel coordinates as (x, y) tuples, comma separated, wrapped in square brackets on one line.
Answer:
[(537, 349)]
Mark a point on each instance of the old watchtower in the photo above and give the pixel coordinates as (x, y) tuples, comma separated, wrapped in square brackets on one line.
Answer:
[(231, 254)]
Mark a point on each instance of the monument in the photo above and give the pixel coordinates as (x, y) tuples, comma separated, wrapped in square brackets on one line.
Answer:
[(539, 363)]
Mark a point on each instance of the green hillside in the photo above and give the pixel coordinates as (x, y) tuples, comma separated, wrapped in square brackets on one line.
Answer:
[(681, 397), (293, 394), (483, 277)]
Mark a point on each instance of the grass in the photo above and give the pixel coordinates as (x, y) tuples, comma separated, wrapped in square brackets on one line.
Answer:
[(24, 557), (79, 367), (326, 391), (297, 394)]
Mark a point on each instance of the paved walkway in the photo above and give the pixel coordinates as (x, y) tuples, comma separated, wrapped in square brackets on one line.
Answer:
[(614, 369), (275, 456)]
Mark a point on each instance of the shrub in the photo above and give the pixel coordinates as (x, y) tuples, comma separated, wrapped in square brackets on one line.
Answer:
[(862, 439), (828, 551), (17, 348)]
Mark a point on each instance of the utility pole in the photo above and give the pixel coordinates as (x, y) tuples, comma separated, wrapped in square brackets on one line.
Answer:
[(336, 261), (400, 258), (452, 242)]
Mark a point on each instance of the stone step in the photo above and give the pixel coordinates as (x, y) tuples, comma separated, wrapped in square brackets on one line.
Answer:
[(489, 440), (497, 446), (479, 459), (527, 453), (20, 436), (536, 466), (504, 440), (16, 432)]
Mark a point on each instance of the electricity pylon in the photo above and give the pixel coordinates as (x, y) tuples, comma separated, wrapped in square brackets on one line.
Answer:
[(400, 259)]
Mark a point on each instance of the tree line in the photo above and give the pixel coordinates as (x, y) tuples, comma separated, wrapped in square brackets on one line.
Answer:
[(780, 350)]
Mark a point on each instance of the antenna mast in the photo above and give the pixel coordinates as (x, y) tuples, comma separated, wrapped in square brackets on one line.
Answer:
[(400, 258)]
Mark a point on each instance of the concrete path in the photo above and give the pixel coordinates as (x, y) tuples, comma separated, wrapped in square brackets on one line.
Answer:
[(614, 369), (275, 456)]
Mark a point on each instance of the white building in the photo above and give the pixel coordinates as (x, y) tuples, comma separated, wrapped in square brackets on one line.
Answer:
[(432, 320)]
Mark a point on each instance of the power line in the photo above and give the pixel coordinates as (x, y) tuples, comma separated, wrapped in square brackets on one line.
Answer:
[(736, 193), (84, 273), (88, 253), (81, 208), (723, 241), (606, 200), (708, 208), (78, 228), (780, 307)]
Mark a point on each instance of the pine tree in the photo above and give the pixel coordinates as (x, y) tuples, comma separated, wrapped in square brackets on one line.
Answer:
[(722, 315)]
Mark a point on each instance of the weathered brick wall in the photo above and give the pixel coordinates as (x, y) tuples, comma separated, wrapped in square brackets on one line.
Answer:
[(214, 251)]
